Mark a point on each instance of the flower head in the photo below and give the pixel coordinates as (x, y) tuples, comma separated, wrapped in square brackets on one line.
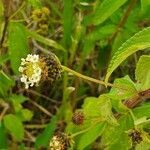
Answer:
[(59, 142), (40, 19), (40, 14), (35, 68)]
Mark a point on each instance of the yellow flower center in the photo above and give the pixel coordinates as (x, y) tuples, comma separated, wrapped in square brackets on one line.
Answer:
[(29, 70)]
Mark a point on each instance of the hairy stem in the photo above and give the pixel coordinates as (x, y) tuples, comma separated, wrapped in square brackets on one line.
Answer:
[(90, 79), (131, 103)]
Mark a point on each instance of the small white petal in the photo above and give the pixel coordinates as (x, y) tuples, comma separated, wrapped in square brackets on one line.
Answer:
[(23, 63), (29, 57), (36, 76), (23, 60), (26, 86), (35, 58), (21, 69), (31, 84), (23, 79)]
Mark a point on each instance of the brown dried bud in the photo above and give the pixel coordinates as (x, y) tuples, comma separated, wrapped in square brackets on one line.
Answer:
[(135, 136), (78, 118), (51, 66)]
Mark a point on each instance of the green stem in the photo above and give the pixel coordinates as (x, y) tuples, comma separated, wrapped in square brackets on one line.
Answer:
[(86, 77)]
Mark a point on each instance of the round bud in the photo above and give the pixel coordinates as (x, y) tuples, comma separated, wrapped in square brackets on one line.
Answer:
[(135, 136), (78, 118), (52, 67)]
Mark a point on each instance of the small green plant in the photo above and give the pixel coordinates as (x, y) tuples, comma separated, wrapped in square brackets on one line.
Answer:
[(77, 80)]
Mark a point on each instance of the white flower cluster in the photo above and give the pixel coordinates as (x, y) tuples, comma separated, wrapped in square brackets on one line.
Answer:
[(55, 143), (30, 64)]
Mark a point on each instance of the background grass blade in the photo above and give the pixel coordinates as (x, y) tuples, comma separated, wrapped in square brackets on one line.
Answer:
[(45, 41), (67, 22)]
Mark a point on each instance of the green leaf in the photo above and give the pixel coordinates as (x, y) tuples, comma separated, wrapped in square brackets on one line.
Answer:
[(91, 107), (90, 136), (139, 41), (142, 72), (16, 106), (44, 40), (117, 136), (18, 98), (145, 5), (22, 114), (16, 101), (25, 115), (141, 121), (122, 142), (127, 90), (142, 111), (5, 83), (143, 146), (3, 137), (44, 138), (100, 108), (97, 113), (122, 37), (14, 125), (105, 10), (18, 46)]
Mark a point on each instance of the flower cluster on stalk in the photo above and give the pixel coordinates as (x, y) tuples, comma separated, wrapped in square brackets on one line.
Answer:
[(35, 69)]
